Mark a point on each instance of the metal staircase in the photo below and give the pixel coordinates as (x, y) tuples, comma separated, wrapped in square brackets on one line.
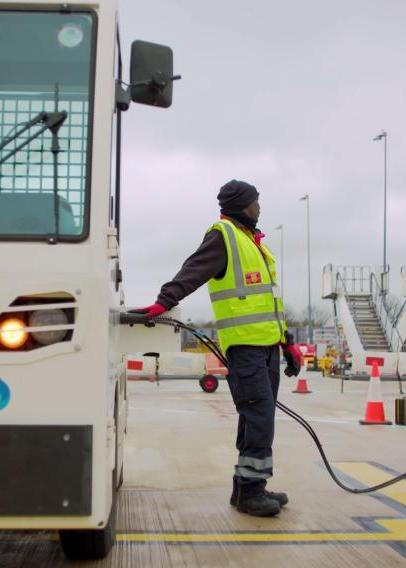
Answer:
[(367, 322)]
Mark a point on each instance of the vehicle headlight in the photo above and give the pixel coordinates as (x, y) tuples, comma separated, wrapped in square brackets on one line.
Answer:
[(45, 318), (12, 333)]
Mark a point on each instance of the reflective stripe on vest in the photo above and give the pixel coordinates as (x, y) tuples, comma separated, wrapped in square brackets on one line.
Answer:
[(239, 277), (240, 292), (252, 318), (246, 291)]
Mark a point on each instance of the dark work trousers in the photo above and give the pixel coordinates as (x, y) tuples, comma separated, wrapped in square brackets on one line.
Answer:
[(253, 378)]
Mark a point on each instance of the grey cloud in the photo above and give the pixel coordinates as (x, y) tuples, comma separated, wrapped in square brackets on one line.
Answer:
[(286, 95)]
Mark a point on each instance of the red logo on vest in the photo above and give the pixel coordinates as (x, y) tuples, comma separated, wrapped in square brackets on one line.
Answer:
[(253, 278)]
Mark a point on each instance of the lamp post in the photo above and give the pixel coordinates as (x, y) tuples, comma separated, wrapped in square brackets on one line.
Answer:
[(384, 136), (280, 228), (309, 304)]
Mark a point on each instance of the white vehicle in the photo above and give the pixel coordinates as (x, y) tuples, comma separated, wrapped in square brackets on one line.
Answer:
[(62, 371)]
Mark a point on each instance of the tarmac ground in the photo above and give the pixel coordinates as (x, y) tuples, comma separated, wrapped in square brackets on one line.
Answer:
[(174, 505)]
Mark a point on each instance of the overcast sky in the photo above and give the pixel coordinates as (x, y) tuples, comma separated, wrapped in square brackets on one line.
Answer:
[(286, 95)]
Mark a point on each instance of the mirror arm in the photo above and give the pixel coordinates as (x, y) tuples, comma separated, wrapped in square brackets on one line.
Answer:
[(156, 83), (123, 97)]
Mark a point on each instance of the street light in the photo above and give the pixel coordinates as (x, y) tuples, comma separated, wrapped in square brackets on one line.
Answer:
[(383, 136), (280, 228), (309, 305)]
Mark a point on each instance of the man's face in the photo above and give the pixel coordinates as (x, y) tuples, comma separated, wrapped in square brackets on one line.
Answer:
[(253, 210)]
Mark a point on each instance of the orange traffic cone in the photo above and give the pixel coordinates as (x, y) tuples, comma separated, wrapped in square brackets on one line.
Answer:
[(375, 412), (301, 387)]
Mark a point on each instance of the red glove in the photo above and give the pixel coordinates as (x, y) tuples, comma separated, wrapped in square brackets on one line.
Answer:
[(151, 311), (293, 356)]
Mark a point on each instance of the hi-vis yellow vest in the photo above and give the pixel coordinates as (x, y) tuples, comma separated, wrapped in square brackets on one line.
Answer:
[(246, 301)]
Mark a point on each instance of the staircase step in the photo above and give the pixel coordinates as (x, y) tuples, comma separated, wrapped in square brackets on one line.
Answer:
[(369, 325), (365, 313), (376, 333), (367, 322)]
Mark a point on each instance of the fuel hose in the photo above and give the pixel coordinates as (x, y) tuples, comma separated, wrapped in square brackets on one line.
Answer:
[(135, 317)]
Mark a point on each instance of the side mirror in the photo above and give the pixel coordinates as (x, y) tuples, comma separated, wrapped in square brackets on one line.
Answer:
[(151, 74)]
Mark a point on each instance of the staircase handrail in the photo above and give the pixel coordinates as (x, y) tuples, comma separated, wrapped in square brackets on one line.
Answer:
[(337, 326), (355, 278), (342, 281), (378, 297), (399, 312)]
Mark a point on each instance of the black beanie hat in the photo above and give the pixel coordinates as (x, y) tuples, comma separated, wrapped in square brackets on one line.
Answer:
[(236, 195)]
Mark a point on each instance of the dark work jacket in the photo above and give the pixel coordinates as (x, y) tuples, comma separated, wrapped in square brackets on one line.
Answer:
[(209, 261)]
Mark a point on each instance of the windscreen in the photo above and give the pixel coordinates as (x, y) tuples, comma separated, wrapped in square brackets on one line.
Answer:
[(46, 70)]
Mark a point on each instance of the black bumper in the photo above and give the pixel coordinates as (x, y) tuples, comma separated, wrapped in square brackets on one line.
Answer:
[(45, 470)]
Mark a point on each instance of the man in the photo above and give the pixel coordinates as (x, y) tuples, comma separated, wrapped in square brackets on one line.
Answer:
[(241, 277)]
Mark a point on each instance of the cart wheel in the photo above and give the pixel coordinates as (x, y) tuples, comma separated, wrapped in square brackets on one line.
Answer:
[(209, 383)]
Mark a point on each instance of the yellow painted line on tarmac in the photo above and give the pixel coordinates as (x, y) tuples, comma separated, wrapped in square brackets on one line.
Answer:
[(369, 475), (388, 530), (392, 530)]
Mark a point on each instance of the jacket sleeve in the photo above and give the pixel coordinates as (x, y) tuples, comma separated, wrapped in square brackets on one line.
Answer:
[(209, 261)]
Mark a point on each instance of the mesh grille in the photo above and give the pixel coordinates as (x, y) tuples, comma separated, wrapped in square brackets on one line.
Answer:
[(31, 169)]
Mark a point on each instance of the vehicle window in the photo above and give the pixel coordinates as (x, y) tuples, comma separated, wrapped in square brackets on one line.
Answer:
[(46, 65)]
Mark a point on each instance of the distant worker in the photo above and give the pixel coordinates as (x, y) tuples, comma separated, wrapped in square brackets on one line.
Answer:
[(248, 309), (325, 364)]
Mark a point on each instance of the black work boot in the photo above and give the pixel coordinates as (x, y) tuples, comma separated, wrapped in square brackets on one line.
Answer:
[(282, 498), (256, 502)]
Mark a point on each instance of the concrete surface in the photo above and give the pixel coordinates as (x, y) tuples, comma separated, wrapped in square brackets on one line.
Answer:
[(179, 458)]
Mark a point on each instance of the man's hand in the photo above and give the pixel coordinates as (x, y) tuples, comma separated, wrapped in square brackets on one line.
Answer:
[(293, 356), (150, 311)]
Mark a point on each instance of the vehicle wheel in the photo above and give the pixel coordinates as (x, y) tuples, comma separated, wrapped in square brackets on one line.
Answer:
[(91, 544), (209, 383)]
